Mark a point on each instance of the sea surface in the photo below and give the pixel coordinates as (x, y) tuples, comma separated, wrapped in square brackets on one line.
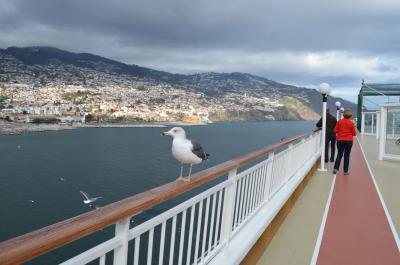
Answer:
[(42, 173)]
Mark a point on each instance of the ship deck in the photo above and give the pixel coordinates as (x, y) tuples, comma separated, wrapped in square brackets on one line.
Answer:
[(335, 219), (344, 219)]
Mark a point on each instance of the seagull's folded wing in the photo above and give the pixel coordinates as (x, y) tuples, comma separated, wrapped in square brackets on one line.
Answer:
[(198, 150)]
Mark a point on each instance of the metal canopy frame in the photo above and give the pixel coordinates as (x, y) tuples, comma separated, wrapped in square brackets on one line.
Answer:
[(374, 89)]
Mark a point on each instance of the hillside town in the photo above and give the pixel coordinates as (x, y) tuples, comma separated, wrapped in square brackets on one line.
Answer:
[(116, 102), (68, 94), (50, 86)]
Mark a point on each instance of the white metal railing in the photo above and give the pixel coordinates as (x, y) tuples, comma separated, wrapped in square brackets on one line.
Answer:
[(199, 229)]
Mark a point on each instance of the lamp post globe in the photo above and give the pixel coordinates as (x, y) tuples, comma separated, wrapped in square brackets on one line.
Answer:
[(325, 89), (338, 104)]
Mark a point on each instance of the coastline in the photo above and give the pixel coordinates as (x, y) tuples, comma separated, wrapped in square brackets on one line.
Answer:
[(137, 125), (13, 128)]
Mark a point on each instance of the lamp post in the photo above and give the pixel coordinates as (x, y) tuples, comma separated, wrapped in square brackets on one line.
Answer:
[(325, 90), (338, 104), (341, 112)]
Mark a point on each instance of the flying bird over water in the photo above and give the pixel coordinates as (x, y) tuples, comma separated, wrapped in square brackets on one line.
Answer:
[(186, 151), (88, 200)]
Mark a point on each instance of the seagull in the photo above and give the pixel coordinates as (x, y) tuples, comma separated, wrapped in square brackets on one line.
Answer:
[(31, 201), (62, 179), (185, 151), (88, 199)]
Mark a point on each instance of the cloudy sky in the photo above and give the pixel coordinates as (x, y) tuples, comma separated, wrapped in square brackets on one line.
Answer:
[(300, 42)]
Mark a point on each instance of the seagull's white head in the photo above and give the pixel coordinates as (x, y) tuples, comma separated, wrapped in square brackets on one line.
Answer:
[(176, 132)]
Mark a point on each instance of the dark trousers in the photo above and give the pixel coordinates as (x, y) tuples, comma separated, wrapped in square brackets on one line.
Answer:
[(343, 147), (330, 138)]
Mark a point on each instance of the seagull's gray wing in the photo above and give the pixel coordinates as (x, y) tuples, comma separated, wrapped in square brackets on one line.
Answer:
[(198, 150), (85, 194)]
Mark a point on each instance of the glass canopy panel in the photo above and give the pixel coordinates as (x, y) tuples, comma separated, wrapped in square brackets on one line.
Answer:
[(392, 145), (368, 123)]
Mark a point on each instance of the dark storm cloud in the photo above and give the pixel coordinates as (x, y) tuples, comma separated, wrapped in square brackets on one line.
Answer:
[(294, 25), (301, 42)]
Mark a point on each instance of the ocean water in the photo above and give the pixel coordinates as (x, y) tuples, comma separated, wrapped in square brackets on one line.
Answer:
[(42, 173)]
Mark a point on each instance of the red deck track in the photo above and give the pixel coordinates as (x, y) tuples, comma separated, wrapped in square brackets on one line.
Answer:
[(357, 230)]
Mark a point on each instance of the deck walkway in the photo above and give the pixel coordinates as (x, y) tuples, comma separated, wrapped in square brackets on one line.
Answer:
[(294, 242), (387, 176), (357, 230)]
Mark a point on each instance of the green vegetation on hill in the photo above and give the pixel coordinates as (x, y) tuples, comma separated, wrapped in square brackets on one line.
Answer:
[(287, 102), (2, 103), (298, 108), (46, 120)]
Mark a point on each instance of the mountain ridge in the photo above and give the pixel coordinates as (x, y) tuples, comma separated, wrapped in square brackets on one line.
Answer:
[(42, 65)]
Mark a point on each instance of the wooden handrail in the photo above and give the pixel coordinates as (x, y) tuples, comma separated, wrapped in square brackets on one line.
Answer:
[(36, 243)]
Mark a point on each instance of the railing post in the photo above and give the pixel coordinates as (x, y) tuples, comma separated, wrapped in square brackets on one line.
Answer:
[(228, 210), (372, 123), (318, 140), (289, 169), (312, 148), (270, 164), (121, 231), (378, 124), (303, 143), (382, 133), (362, 123)]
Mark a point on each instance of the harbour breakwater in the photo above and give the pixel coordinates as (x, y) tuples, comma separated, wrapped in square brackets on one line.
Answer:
[(11, 128)]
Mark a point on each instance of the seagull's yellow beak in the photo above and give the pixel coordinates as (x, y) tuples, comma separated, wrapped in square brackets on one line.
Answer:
[(166, 133)]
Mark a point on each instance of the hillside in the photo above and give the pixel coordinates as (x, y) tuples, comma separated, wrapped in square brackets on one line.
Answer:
[(221, 96)]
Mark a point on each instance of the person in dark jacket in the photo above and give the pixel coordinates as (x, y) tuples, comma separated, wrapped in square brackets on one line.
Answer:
[(330, 136)]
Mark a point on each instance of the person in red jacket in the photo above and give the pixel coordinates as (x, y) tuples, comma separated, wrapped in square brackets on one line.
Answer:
[(345, 130)]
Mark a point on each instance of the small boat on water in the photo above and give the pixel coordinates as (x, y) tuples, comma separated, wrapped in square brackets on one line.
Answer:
[(206, 120)]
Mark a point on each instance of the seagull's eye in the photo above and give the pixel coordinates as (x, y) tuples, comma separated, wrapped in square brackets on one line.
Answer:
[(175, 130)]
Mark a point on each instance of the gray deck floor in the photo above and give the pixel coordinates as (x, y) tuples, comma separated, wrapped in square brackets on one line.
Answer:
[(294, 242)]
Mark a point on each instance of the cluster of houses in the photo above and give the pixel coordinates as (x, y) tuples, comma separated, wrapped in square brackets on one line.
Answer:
[(46, 112)]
